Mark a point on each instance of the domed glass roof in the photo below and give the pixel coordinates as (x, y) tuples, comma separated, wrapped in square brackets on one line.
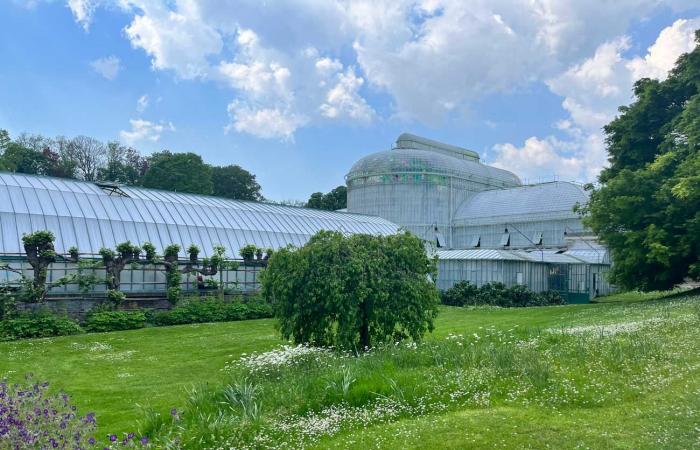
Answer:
[(551, 200), (404, 160)]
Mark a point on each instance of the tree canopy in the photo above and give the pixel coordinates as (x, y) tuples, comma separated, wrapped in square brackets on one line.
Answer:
[(647, 208), (86, 158), (331, 201), (235, 182), (352, 292)]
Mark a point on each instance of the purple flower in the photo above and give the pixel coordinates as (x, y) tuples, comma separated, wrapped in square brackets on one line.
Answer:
[(113, 437), (173, 412), (144, 440), (91, 441)]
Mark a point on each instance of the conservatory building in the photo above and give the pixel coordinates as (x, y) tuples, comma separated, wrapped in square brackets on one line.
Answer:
[(482, 222)]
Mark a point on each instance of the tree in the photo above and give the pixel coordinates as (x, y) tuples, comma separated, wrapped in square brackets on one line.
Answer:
[(236, 183), (18, 158), (332, 201), (180, 172), (647, 208), (124, 165), (352, 292), (4, 140), (40, 254), (88, 155)]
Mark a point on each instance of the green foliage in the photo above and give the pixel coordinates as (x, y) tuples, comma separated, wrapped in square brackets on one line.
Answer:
[(247, 252), (193, 251), (236, 183), (497, 294), (179, 172), (101, 321), (8, 301), (17, 158), (39, 324), (116, 298), (647, 209), (333, 200), (200, 310), (352, 292), (150, 250), (40, 253)]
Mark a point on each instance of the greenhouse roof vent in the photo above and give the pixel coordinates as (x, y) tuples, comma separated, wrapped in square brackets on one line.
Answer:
[(111, 188), (411, 141)]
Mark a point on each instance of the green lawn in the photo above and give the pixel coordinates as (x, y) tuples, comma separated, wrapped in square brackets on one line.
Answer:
[(117, 374)]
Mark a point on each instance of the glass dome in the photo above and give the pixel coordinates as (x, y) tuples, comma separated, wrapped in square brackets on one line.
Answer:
[(405, 160)]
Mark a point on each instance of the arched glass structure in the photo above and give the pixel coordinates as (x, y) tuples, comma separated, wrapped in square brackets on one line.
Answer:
[(90, 217)]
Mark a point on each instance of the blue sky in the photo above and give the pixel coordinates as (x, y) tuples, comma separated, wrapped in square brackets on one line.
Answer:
[(297, 90)]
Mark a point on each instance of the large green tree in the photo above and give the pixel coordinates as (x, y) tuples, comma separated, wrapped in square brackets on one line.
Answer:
[(331, 201), (17, 158), (235, 182), (647, 207), (180, 172), (353, 292)]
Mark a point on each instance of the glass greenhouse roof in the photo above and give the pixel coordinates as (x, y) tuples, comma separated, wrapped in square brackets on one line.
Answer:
[(82, 214), (408, 160), (526, 203)]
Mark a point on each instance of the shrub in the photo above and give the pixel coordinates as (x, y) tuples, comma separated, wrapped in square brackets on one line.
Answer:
[(352, 291), (102, 321), (196, 310), (247, 252), (38, 324), (464, 293)]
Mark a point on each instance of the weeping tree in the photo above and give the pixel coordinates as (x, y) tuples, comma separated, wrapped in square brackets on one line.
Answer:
[(352, 292), (114, 264)]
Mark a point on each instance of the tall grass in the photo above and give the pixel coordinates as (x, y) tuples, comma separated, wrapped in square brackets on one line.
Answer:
[(295, 396)]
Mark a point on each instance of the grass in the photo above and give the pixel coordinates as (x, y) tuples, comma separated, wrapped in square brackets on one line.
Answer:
[(621, 373)]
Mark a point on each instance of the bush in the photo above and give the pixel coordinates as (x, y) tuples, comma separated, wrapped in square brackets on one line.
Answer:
[(102, 321), (497, 294), (196, 310), (36, 325), (352, 292), (462, 293)]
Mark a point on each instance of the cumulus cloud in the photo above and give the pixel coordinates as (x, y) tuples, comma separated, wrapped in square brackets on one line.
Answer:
[(82, 11), (432, 57), (343, 99), (178, 40), (144, 130), (264, 123), (592, 92), (108, 67)]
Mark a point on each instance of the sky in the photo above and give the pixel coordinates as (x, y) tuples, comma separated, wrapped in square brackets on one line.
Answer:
[(296, 91)]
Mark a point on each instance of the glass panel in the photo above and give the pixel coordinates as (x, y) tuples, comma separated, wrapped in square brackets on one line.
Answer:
[(82, 238), (86, 205), (10, 237), (44, 199), (38, 222), (5, 203), (120, 234), (185, 236), (93, 231), (108, 239), (17, 199), (68, 233), (96, 204), (107, 203), (165, 237), (74, 209)]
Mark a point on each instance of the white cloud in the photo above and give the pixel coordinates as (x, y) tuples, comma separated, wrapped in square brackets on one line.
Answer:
[(267, 123), (142, 103), (343, 100), (82, 11), (108, 67), (592, 92), (143, 130), (178, 40), (434, 58), (673, 41)]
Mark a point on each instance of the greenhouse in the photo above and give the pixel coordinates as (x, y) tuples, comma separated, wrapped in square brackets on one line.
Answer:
[(92, 216), (484, 223)]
